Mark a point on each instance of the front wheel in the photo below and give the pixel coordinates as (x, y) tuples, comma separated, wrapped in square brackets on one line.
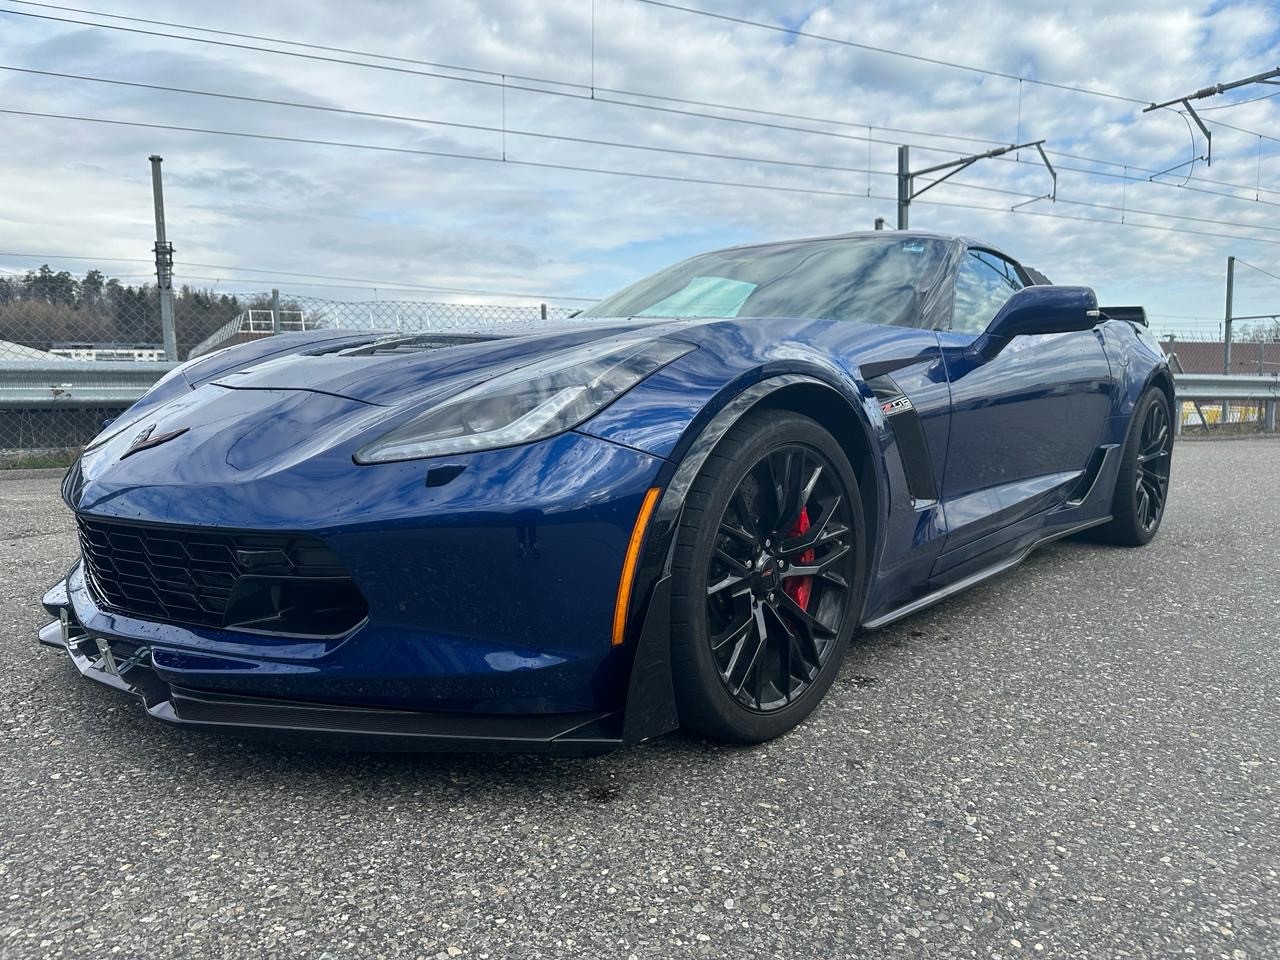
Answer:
[(1142, 485), (768, 575)]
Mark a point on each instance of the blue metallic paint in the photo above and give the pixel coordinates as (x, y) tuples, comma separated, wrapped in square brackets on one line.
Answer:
[(1010, 429), (429, 560), (493, 593)]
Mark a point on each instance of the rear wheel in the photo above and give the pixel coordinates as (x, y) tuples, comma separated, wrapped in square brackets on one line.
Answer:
[(768, 577), (1142, 486)]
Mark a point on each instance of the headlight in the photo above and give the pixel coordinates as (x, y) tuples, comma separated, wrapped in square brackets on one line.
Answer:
[(545, 398)]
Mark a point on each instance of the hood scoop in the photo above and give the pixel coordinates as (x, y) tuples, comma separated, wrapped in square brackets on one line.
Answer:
[(408, 368), (419, 343)]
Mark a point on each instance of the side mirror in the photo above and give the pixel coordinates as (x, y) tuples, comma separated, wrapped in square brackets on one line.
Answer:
[(1039, 310)]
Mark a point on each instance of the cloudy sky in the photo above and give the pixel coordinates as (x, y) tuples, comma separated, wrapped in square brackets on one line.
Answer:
[(249, 213)]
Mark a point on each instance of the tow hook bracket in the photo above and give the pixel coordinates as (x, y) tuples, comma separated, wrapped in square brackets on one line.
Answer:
[(108, 659)]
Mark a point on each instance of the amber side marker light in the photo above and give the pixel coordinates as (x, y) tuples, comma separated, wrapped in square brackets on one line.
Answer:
[(629, 564)]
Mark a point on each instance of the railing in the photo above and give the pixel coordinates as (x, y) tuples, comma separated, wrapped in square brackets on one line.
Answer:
[(263, 321), (93, 383), (57, 404), (1231, 391)]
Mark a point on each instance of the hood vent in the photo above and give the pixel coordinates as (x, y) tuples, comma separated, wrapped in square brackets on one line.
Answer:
[(419, 343)]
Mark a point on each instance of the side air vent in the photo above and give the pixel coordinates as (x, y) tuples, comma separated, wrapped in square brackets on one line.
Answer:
[(908, 431)]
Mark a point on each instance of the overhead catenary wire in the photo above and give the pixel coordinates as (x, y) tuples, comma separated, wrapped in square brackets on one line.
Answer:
[(1231, 126), (524, 78), (581, 140), (503, 82), (479, 127), (49, 256), (1119, 208), (795, 32), (672, 178), (808, 35), (1245, 263), (419, 151), (958, 138), (1237, 103), (868, 171), (352, 282)]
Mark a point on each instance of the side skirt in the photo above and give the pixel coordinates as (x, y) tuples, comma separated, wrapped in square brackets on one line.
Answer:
[(987, 573)]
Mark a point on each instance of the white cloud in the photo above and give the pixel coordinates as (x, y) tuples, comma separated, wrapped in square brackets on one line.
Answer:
[(79, 188)]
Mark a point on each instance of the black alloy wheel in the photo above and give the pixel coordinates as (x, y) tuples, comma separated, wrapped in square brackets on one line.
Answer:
[(778, 581), (1142, 483), (1155, 450), (768, 578)]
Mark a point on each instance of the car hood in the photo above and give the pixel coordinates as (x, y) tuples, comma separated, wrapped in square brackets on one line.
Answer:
[(398, 370)]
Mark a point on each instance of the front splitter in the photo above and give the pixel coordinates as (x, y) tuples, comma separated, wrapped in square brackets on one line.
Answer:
[(125, 666)]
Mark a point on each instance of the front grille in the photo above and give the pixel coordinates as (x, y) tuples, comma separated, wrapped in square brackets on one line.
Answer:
[(274, 583)]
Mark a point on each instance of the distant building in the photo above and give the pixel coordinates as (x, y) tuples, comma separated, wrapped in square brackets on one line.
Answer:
[(136, 352), (1205, 356)]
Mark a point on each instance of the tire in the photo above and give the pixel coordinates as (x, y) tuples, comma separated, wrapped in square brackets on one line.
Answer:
[(744, 598), (1142, 484)]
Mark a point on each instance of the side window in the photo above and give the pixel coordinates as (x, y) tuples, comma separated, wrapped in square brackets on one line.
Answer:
[(983, 283)]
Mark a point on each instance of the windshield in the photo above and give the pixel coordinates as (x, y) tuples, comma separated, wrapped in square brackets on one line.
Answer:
[(881, 279)]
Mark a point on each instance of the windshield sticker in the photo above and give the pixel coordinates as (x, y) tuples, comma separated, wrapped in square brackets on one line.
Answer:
[(703, 297)]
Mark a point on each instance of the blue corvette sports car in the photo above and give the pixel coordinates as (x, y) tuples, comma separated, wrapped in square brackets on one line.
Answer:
[(672, 512)]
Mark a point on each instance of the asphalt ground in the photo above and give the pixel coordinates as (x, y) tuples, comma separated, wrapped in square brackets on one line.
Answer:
[(1079, 759)]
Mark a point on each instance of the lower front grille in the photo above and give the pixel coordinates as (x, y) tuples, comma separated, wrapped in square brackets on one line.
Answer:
[(273, 583)]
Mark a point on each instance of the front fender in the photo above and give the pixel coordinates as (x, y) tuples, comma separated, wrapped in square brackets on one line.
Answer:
[(667, 413), (651, 708)]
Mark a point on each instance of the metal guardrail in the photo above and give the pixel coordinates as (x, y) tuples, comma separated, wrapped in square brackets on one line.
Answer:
[(1221, 386), (65, 384), (1262, 393), (70, 385), (103, 383)]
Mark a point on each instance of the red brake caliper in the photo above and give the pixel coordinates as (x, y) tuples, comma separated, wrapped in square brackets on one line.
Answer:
[(800, 589)]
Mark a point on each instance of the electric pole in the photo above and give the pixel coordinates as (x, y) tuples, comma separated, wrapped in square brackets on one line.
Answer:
[(904, 186), (906, 176), (1226, 327), (164, 264)]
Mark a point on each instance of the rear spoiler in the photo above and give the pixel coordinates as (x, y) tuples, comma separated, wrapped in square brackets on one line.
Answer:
[(1136, 315)]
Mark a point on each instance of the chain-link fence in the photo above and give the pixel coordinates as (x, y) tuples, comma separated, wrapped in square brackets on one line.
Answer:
[(289, 313), (77, 351)]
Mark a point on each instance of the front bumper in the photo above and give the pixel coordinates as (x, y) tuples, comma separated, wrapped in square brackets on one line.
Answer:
[(128, 666)]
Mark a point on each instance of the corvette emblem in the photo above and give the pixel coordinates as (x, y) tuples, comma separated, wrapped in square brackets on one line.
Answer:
[(896, 405), (148, 438)]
